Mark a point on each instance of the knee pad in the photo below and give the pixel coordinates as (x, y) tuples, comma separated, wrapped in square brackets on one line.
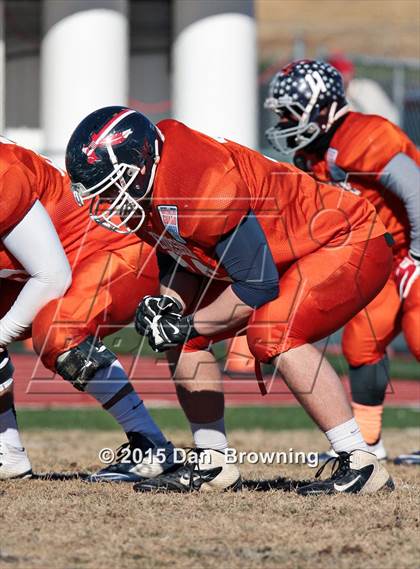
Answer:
[(6, 372), (369, 382), (80, 364)]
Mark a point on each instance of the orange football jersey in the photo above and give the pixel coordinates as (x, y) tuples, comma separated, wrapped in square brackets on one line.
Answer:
[(26, 177), (358, 152), (204, 187)]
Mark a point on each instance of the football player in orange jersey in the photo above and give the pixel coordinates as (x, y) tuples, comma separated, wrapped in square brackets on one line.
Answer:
[(244, 244), (64, 280), (373, 158)]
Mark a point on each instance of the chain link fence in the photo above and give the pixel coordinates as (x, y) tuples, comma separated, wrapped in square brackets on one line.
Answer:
[(399, 79)]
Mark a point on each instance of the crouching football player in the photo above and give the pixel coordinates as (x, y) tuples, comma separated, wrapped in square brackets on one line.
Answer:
[(68, 282), (367, 155), (245, 244)]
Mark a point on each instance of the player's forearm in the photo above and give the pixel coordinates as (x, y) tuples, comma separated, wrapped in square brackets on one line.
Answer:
[(35, 244), (401, 176), (225, 313), (32, 298)]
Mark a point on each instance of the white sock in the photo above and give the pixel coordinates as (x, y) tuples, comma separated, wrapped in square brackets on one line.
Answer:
[(346, 437), (210, 435), (9, 428)]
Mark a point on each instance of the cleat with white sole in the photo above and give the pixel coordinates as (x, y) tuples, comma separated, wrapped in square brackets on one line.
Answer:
[(136, 460), (14, 462), (204, 470), (357, 472)]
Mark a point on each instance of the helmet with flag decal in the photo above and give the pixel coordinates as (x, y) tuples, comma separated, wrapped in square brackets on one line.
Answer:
[(308, 97), (111, 159)]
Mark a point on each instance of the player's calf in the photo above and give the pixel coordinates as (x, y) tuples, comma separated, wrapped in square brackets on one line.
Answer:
[(93, 368), (14, 461)]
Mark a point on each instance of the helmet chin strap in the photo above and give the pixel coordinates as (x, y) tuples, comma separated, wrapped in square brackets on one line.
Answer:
[(334, 116), (154, 167)]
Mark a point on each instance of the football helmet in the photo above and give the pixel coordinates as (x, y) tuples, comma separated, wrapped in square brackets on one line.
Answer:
[(308, 97), (111, 159)]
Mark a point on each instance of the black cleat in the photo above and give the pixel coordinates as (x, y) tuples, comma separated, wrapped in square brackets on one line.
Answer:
[(352, 473), (408, 459), (203, 470), (136, 460)]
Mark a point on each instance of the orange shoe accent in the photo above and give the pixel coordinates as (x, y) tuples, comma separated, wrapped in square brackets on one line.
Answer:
[(28, 345), (239, 359), (369, 419)]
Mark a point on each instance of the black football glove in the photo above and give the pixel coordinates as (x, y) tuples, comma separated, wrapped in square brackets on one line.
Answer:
[(160, 319), (152, 306), (169, 331), (6, 372)]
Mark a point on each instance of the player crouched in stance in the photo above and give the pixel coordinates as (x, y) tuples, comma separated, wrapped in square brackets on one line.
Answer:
[(244, 244), (65, 281), (373, 158)]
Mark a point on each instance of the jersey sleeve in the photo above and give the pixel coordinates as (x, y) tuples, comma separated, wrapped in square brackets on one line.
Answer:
[(373, 146), (17, 195), (247, 258)]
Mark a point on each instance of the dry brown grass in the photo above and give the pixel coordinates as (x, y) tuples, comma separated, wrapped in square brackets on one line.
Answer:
[(72, 525)]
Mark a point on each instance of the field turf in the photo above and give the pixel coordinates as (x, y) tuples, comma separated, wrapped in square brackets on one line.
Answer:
[(244, 418), (75, 525)]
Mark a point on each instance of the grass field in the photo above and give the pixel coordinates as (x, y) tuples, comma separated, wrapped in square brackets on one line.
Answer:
[(74, 525), (244, 418)]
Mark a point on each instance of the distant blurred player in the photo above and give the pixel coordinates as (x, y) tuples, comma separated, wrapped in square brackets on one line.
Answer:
[(371, 157), (68, 283), (363, 94)]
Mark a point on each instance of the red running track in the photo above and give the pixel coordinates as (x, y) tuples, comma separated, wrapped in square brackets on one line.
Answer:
[(35, 386)]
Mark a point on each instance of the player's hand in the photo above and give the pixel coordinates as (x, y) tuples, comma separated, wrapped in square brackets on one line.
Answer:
[(406, 273), (6, 372), (170, 330), (152, 306)]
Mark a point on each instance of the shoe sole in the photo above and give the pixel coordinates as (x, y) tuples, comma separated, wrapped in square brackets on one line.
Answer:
[(145, 489), (27, 474), (109, 480), (389, 486)]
